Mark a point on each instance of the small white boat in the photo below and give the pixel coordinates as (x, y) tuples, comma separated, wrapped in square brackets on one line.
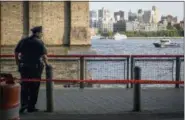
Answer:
[(165, 43), (95, 37), (118, 36)]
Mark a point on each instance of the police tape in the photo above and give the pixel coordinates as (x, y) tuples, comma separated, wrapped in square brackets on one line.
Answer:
[(100, 81)]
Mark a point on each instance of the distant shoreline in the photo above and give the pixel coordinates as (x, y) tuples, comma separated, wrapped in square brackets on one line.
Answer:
[(154, 37)]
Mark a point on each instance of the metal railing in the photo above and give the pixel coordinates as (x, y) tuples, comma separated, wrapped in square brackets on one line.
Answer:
[(161, 67), (175, 60)]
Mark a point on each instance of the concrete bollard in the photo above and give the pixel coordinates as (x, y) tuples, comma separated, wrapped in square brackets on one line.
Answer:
[(49, 89), (137, 89)]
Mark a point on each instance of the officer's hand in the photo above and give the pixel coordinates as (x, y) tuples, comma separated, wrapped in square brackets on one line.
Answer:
[(48, 65)]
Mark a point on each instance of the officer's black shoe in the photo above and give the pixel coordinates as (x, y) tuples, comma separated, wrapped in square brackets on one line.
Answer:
[(32, 110), (22, 109)]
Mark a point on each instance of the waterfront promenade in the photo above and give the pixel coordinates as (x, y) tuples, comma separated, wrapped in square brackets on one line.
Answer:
[(157, 103), (111, 104)]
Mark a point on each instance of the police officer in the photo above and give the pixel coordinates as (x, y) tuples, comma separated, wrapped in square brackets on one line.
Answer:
[(30, 56)]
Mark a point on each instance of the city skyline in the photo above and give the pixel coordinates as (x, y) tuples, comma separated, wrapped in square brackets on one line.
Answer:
[(165, 8)]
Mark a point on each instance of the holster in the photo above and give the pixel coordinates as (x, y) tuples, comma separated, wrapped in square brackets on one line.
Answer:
[(39, 66)]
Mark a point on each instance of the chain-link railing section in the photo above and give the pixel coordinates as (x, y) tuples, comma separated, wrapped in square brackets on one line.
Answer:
[(107, 69), (65, 69), (158, 69)]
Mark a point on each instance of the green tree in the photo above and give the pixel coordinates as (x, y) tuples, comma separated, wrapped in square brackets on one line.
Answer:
[(99, 32), (158, 33), (171, 33), (110, 33), (105, 34), (137, 33), (169, 26), (178, 27), (182, 33)]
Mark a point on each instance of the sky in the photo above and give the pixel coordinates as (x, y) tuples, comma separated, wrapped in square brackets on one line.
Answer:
[(165, 8)]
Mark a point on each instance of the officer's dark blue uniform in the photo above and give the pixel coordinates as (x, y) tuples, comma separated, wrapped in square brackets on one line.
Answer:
[(30, 66)]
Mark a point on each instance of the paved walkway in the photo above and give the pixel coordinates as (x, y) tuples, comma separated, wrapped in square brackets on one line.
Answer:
[(123, 116), (75, 104)]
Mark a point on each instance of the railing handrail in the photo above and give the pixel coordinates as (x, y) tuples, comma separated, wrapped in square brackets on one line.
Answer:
[(136, 56), (140, 56)]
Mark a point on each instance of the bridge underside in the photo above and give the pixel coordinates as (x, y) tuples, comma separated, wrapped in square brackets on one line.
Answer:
[(64, 23)]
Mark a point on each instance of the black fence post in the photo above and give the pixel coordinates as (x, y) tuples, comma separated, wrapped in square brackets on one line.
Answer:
[(128, 58), (137, 89), (49, 89), (132, 70), (177, 74), (82, 73)]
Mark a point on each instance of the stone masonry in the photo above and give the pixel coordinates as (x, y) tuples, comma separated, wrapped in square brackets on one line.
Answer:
[(51, 16), (11, 22), (79, 22)]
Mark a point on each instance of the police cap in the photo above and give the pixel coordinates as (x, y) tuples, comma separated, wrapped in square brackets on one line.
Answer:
[(37, 29)]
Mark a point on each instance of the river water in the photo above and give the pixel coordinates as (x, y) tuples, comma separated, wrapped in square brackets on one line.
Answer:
[(160, 70), (150, 70), (134, 46)]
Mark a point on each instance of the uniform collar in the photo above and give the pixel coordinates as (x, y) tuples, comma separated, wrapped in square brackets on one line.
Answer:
[(34, 36)]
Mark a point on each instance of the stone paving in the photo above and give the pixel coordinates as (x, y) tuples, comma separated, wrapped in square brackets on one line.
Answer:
[(114, 103)]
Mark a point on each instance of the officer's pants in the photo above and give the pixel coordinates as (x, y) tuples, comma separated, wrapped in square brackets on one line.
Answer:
[(29, 90)]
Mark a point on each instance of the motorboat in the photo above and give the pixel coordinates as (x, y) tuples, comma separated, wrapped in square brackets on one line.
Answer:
[(165, 43), (118, 36)]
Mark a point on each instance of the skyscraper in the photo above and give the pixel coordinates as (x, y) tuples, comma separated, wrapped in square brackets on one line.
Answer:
[(140, 15), (151, 16), (93, 19), (93, 14), (132, 16), (105, 20), (154, 15), (119, 15), (169, 18), (147, 16), (103, 13)]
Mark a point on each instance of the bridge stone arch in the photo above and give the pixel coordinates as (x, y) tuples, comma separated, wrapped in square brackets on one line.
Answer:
[(64, 22)]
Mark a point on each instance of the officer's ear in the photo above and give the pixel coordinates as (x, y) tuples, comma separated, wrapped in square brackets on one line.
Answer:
[(37, 33), (40, 34)]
